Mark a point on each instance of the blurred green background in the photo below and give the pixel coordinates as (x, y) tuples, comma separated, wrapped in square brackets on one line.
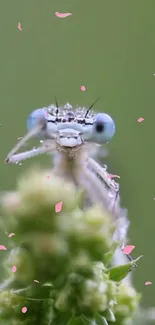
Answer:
[(108, 46)]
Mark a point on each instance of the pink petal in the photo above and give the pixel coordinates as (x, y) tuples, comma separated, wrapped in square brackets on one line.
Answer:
[(140, 119), (14, 269), (36, 281), (61, 15), (58, 207), (128, 249), (147, 283), (48, 177), (112, 176), (12, 234), (20, 27), (2, 248), (24, 310), (83, 88)]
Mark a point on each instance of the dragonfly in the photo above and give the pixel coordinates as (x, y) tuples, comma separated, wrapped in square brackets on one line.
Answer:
[(69, 135)]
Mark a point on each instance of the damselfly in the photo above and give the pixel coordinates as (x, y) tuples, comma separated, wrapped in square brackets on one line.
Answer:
[(70, 135)]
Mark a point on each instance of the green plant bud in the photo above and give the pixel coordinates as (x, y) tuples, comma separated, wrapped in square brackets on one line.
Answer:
[(127, 304), (20, 266), (60, 258)]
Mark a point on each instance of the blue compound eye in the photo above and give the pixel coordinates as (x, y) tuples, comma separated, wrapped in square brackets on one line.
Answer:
[(103, 128), (35, 117)]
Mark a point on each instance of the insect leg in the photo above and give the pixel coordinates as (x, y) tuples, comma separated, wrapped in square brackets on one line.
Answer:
[(31, 153), (29, 135)]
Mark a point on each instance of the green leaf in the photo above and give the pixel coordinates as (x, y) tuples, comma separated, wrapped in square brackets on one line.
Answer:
[(72, 321), (110, 315), (61, 318), (87, 321), (118, 273), (108, 257), (47, 284), (101, 320), (79, 321), (35, 291)]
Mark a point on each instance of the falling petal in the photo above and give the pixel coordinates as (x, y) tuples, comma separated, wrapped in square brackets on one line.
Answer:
[(20, 27), (12, 234), (128, 249), (83, 88), (58, 207), (140, 119), (14, 269), (2, 248), (48, 177), (61, 15), (148, 282), (24, 310), (36, 281), (113, 176)]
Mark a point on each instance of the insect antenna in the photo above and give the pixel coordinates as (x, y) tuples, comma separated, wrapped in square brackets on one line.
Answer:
[(88, 110)]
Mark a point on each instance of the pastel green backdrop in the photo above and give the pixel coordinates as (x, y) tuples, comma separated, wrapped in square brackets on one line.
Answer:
[(108, 46)]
